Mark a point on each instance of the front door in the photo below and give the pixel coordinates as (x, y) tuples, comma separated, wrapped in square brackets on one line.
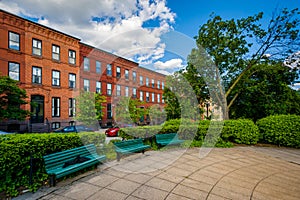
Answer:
[(37, 109)]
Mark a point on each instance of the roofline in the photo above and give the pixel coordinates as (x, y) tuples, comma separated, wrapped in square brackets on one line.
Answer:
[(108, 52), (4, 11), (153, 71)]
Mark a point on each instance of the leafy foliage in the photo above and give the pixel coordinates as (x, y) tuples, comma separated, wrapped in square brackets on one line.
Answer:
[(240, 131), (89, 106), (16, 150), (11, 98), (157, 115), (266, 92), (237, 46), (282, 130), (172, 107), (181, 98), (129, 110)]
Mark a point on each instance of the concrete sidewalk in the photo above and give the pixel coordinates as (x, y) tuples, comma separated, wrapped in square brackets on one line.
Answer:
[(233, 173)]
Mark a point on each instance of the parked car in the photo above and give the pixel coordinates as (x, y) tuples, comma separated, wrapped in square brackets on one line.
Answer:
[(73, 129), (112, 132), (4, 133)]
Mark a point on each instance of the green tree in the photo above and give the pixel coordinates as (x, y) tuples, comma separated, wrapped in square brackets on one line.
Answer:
[(157, 114), (11, 98), (172, 107), (129, 110), (267, 92), (181, 96), (237, 46), (89, 106), (99, 100)]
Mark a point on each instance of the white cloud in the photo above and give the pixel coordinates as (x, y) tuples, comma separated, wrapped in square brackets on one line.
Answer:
[(176, 63), (164, 72), (113, 25)]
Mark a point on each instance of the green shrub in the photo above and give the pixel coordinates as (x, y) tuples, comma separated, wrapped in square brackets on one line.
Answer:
[(242, 131), (139, 132), (280, 130), (16, 151), (208, 133)]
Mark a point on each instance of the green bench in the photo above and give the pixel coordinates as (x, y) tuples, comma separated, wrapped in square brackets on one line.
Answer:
[(69, 161), (130, 146), (167, 139)]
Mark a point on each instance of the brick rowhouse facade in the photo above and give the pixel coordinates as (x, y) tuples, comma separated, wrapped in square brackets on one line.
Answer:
[(115, 76), (53, 67)]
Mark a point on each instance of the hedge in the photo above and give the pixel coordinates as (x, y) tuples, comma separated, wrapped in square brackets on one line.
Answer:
[(16, 151), (217, 133), (282, 130)]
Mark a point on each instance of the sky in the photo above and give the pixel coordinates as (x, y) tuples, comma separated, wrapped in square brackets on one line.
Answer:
[(157, 34)]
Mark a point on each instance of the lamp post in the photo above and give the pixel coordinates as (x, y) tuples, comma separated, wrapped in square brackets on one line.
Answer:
[(207, 105)]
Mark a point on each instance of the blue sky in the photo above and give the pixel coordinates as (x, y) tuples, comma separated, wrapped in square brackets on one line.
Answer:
[(193, 13), (158, 34)]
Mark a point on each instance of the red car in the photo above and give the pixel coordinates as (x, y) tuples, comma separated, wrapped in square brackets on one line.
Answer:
[(112, 132)]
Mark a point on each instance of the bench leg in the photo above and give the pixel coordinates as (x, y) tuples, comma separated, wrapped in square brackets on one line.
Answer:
[(118, 156), (52, 180), (143, 151)]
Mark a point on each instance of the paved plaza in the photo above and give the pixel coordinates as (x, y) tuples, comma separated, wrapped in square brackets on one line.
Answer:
[(232, 173)]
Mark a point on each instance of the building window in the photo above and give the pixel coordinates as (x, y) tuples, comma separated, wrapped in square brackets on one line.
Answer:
[(127, 91), (163, 100), (158, 84), (55, 125), (55, 78), (153, 97), (98, 67), (108, 91), (134, 92), (86, 64), (72, 80), (147, 81), (36, 47), (134, 76), (37, 75), (147, 97), (98, 87), (109, 111), (158, 98), (14, 41), (86, 85), (162, 85), (55, 52), (152, 83), (141, 96), (14, 71), (141, 80), (118, 90), (118, 72), (108, 70), (55, 107), (72, 104), (72, 57), (126, 74)]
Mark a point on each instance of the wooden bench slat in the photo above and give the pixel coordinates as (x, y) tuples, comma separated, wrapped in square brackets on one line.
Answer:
[(168, 139), (130, 146), (54, 162)]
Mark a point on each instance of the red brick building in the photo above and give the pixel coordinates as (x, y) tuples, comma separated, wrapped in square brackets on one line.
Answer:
[(53, 67), (115, 76), (45, 62)]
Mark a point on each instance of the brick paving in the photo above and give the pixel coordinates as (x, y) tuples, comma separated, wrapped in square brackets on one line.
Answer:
[(231, 173)]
